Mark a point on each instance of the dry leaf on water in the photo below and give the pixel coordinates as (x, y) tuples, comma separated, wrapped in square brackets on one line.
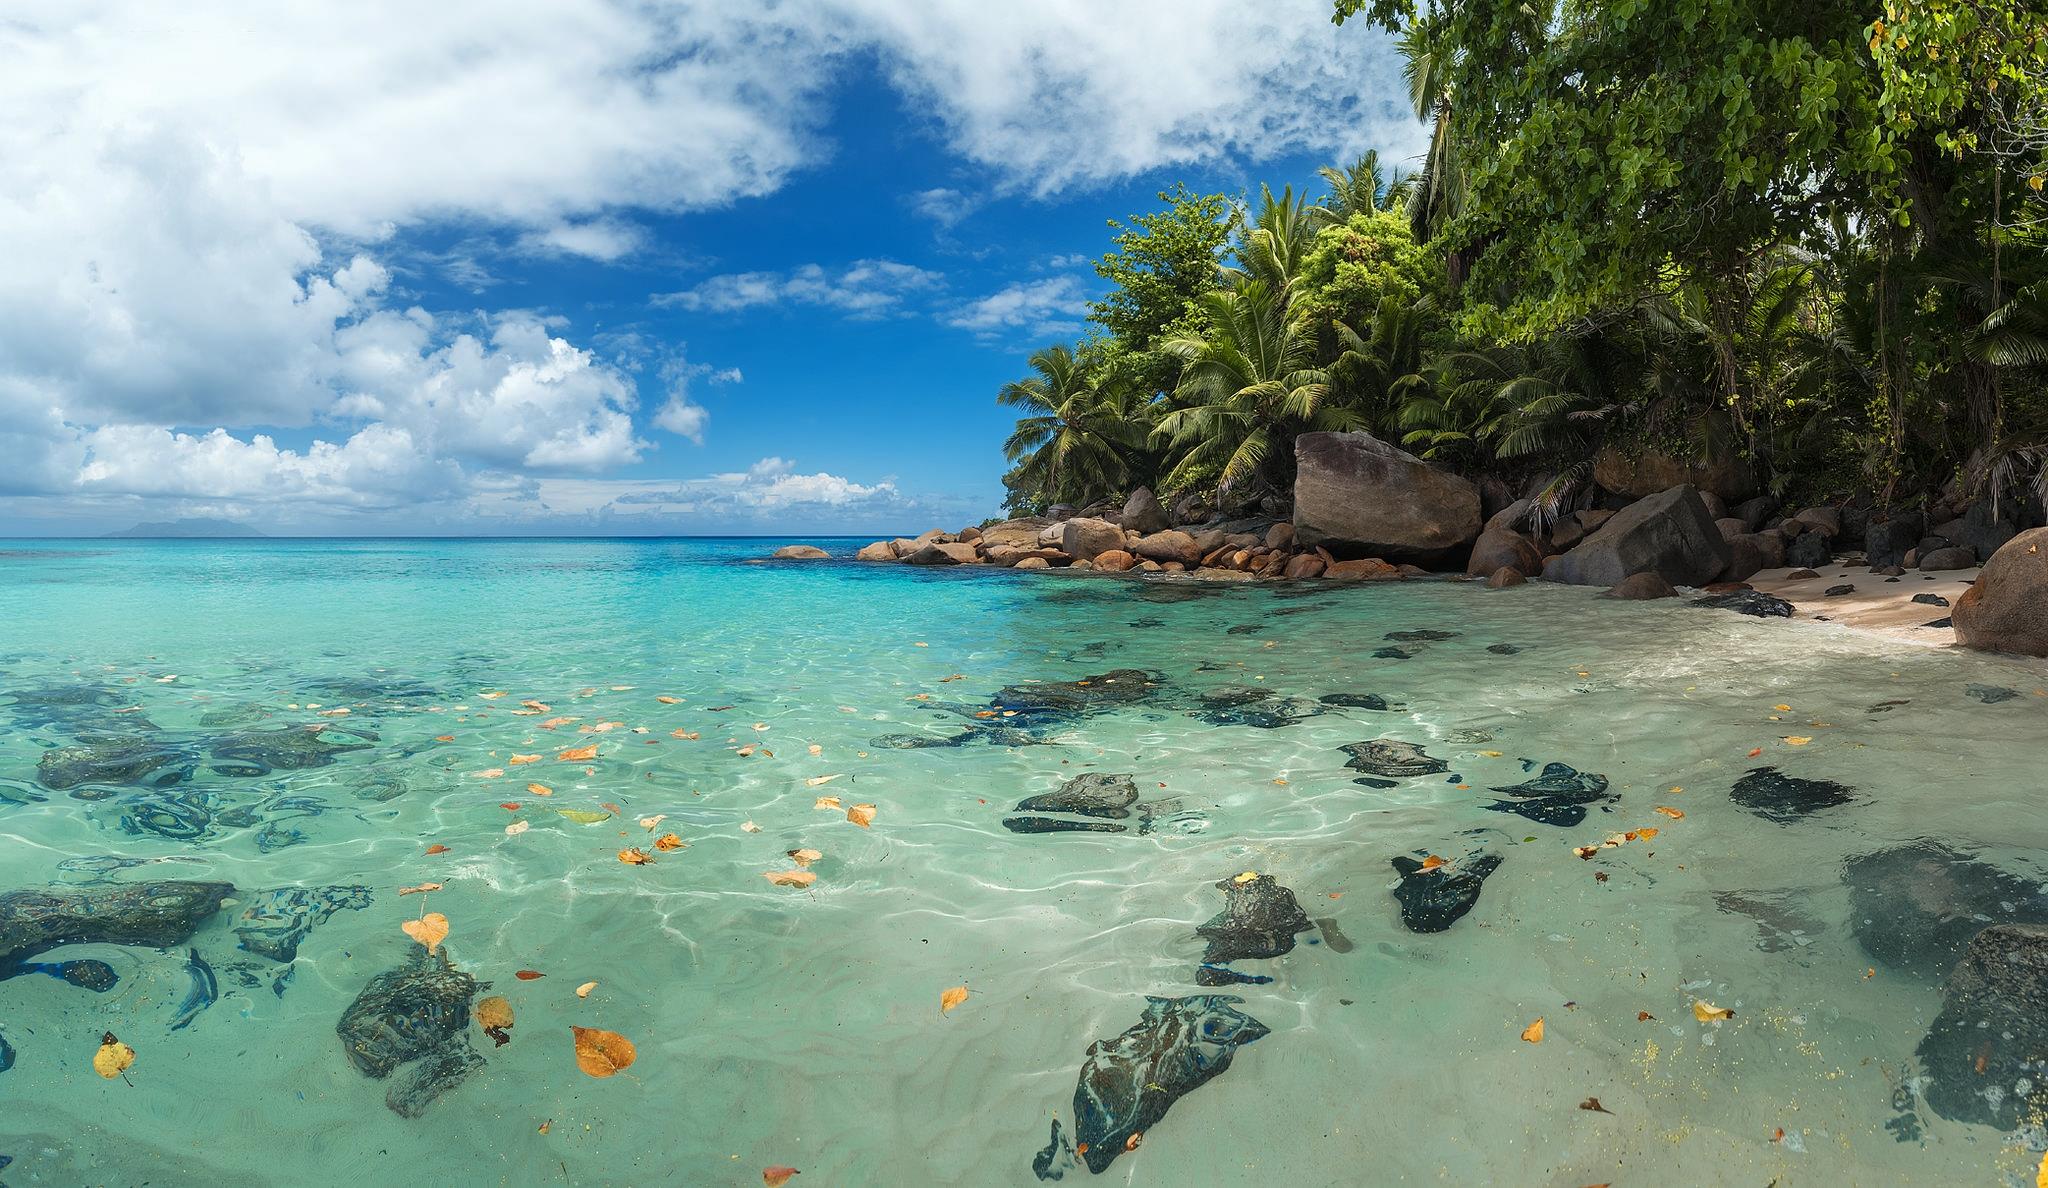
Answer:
[(749, 827), (494, 1015), (437, 848), (814, 781), (862, 815), (668, 841), (1674, 814), (430, 930), (685, 734), (1533, 1033), (113, 1058), (815, 749), (528, 975), (578, 754), (828, 802), (518, 827), (1645, 1017), (790, 878), (422, 889), (516, 760), (1707, 1012), (584, 990), (1593, 1104), (951, 998), (648, 823), (776, 1177), (633, 856), (1432, 862), (602, 1053), (804, 857), (540, 790), (1794, 740), (584, 816), (665, 699)]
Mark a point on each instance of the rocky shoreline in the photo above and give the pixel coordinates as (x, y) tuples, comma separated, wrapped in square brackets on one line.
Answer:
[(1364, 510)]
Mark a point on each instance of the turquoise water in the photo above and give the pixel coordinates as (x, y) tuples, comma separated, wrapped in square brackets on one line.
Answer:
[(797, 1026)]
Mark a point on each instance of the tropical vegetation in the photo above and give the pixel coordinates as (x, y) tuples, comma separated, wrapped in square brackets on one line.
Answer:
[(1813, 235)]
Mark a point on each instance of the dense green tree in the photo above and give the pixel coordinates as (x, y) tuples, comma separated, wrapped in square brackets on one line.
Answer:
[(1162, 262), (1081, 426), (1363, 187)]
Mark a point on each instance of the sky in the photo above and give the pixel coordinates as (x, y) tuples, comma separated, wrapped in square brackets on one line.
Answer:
[(591, 267)]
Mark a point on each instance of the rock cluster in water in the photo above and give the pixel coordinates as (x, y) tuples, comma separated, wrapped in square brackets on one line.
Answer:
[(414, 1017)]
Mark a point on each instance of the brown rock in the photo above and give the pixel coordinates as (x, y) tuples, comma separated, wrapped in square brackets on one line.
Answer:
[(1641, 587), (2006, 608), (1358, 492), (1280, 536), (943, 553), (1955, 557), (1082, 538), (1368, 569), (969, 535), (1147, 567), (1504, 577), (1800, 575), (1143, 514), (1170, 545), (878, 551), (1732, 527), (1209, 574), (1497, 547), (1022, 533), (1307, 565), (1114, 561), (1032, 563)]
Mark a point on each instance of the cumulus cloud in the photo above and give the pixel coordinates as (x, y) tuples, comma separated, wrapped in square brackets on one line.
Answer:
[(865, 288), (603, 240), (1050, 306)]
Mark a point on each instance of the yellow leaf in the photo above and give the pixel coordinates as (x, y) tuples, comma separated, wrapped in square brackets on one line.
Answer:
[(633, 856), (1674, 814), (578, 754), (584, 816), (516, 760), (1796, 740), (540, 790), (430, 930), (1432, 862), (492, 696), (828, 802), (790, 878), (494, 1012), (804, 857), (422, 889), (862, 815), (1783, 709), (815, 749), (584, 990), (1246, 877), (1533, 1033), (814, 781), (1707, 1012), (602, 1053), (668, 841), (1490, 754), (113, 1058), (1645, 833), (951, 998), (665, 699)]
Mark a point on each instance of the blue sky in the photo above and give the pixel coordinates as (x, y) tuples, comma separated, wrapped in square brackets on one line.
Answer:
[(648, 269)]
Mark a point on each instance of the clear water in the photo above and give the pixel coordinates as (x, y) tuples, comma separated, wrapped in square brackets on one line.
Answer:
[(802, 1027)]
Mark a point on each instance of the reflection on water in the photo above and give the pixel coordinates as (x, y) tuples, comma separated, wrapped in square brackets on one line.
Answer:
[(1244, 884)]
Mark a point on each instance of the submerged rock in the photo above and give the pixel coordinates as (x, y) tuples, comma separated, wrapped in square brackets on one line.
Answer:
[(1421, 636), (1990, 694), (416, 1012), (285, 748), (1365, 701), (1391, 757), (1259, 919), (1127, 1084), (1090, 794), (274, 922), (202, 990), (1503, 649), (124, 759), (1558, 796), (1433, 900), (154, 915), (1915, 907), (1071, 699), (1748, 602), (1060, 825), (1781, 926), (1772, 794), (1257, 708), (1985, 1056), (86, 974)]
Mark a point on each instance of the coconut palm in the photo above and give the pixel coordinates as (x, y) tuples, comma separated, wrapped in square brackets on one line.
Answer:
[(1081, 424), (1364, 188), (1276, 241), (1246, 390), (1439, 190)]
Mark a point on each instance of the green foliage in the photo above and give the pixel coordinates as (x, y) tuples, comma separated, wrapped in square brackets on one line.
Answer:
[(1163, 261), (1357, 265), (1081, 429)]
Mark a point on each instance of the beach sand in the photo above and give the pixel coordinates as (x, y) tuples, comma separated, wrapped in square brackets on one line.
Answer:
[(1877, 604)]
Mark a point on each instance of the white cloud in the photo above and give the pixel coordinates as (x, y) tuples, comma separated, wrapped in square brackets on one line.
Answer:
[(944, 206), (603, 240), (1052, 305), (865, 288)]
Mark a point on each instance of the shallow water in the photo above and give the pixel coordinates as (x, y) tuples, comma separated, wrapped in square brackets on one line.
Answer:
[(802, 1027)]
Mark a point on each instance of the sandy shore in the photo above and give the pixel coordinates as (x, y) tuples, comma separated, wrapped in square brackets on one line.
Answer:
[(1876, 604)]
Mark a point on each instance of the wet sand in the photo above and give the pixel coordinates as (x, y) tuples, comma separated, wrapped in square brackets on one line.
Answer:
[(1876, 604)]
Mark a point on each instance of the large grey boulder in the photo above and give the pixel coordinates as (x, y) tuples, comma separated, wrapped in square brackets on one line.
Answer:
[(1499, 548), (2006, 608), (1142, 512), (1083, 537), (1808, 550), (1888, 542), (1360, 495), (1669, 534), (1019, 533)]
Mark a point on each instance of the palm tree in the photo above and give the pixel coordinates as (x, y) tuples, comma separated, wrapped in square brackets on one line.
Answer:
[(1276, 241), (1246, 391), (1439, 191), (1364, 188), (1073, 444)]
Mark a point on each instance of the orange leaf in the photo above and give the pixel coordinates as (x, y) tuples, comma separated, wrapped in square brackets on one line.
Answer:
[(1674, 814), (437, 848), (430, 929), (516, 760), (689, 734), (635, 857), (776, 1177), (1432, 862), (578, 754), (444, 738), (668, 841), (1755, 751), (1644, 834), (540, 789), (828, 802), (1585, 851), (1533, 1033), (422, 889), (528, 975), (862, 815), (1645, 1017), (804, 857), (1707, 1012), (951, 998), (790, 878), (602, 1053), (510, 806)]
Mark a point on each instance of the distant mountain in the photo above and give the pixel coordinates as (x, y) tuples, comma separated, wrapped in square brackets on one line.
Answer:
[(192, 526)]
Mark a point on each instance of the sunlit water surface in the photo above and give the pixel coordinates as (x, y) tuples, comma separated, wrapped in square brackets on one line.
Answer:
[(802, 1027)]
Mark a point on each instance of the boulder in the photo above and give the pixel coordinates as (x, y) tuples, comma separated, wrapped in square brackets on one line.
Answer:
[(1021, 533), (1668, 534), (1717, 507), (1052, 536), (1992, 1032), (1114, 561), (1809, 550), (1769, 545), (1953, 557), (2006, 608), (1369, 569), (1307, 565), (800, 553), (1170, 545), (1982, 531), (1010, 555), (878, 551), (1745, 560), (1822, 519), (1505, 577), (1190, 508), (1731, 527), (1280, 536), (1647, 471), (1082, 538), (943, 553), (1060, 511), (1499, 547), (1033, 563), (1886, 543), (1515, 517), (1754, 512), (1641, 587), (1210, 574), (1142, 512), (1361, 495)]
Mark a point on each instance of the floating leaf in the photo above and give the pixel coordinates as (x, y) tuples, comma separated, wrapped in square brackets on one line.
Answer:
[(494, 1015), (862, 815), (517, 827), (790, 878), (511, 806), (1490, 754), (1533, 1033), (648, 823), (749, 827), (667, 842), (776, 1177), (1674, 814), (585, 816), (1755, 751), (488, 773), (113, 1057), (578, 754), (429, 930), (688, 734), (1593, 1104), (602, 1053), (804, 857), (528, 975), (1783, 709), (1585, 851), (422, 889), (949, 999), (633, 856), (1432, 862), (516, 760), (1645, 1017), (665, 699), (814, 781), (1707, 1012), (540, 790), (828, 802), (584, 990), (1796, 740)]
